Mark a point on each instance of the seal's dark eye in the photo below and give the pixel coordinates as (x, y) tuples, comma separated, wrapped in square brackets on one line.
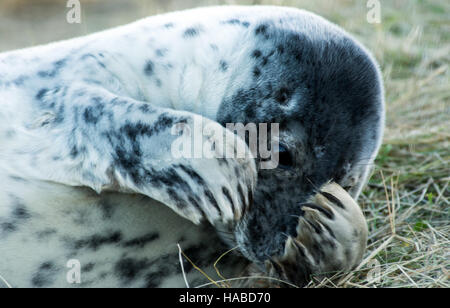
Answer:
[(285, 158)]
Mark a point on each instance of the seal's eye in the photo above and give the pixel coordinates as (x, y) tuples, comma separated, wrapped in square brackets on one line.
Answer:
[(285, 158)]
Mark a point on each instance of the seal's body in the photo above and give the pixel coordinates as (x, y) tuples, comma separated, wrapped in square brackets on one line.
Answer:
[(86, 123)]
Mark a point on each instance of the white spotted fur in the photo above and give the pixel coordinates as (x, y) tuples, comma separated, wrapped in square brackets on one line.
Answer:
[(51, 191)]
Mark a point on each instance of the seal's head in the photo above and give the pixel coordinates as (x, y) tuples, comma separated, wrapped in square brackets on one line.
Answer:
[(324, 91)]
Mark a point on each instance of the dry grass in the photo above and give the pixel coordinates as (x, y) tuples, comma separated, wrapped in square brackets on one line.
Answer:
[(407, 200)]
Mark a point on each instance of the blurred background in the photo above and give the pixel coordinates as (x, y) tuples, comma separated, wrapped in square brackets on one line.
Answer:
[(407, 200)]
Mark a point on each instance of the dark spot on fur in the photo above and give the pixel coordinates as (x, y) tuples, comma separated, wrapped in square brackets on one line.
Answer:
[(95, 58), (233, 22), (57, 66), (42, 235), (236, 22), (41, 94), (179, 202), (161, 52), (223, 66), (193, 175), (107, 209), (256, 54), (92, 114), (191, 32), (45, 74), (154, 280), (242, 197), (282, 95), (44, 275), (11, 133), (87, 268), (195, 202), (256, 72), (262, 31), (280, 49), (128, 269), (250, 112), (227, 194), (8, 227), (94, 242), (21, 213), (20, 80), (17, 179), (145, 108), (149, 68), (142, 241), (74, 152), (209, 195)]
